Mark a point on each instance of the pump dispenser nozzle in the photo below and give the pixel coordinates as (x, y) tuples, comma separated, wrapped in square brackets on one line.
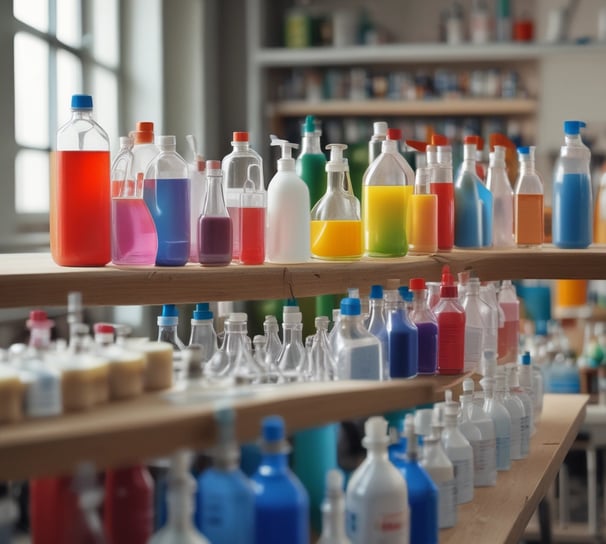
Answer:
[(337, 161), (286, 162)]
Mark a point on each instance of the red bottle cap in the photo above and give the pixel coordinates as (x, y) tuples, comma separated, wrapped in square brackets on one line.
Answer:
[(439, 139), (38, 316), (213, 165), (394, 134), (103, 328), (474, 139), (144, 133), (240, 136), (416, 144), (416, 284)]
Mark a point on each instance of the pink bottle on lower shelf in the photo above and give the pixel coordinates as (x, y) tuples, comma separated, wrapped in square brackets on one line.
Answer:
[(509, 333)]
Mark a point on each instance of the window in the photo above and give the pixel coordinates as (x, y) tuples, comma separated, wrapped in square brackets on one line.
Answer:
[(60, 47)]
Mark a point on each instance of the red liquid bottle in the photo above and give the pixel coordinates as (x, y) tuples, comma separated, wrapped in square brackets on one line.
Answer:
[(253, 202), (441, 184)]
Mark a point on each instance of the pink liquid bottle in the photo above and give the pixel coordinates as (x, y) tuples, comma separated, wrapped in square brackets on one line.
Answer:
[(214, 225), (253, 202), (509, 333), (134, 238)]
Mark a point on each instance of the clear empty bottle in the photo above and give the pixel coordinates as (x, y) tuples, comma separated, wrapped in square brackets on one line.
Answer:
[(273, 344), (529, 229), (214, 225), (203, 331), (499, 185), (168, 322), (322, 363), (333, 510), (292, 358)]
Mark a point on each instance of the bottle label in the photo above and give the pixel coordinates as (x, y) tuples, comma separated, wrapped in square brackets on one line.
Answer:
[(376, 526), (503, 453), (473, 348), (463, 472), (484, 462), (447, 504)]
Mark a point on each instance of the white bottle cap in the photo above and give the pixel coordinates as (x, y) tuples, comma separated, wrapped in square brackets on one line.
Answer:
[(375, 430), (334, 483), (337, 162), (379, 128), (167, 141)]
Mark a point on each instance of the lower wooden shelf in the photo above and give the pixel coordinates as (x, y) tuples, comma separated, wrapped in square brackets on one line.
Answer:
[(501, 513)]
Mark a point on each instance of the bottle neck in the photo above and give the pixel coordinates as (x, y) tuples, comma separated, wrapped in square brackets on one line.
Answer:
[(419, 300), (275, 460), (180, 505), (82, 114), (333, 520), (335, 182), (214, 203), (527, 167), (389, 146), (293, 333), (311, 144)]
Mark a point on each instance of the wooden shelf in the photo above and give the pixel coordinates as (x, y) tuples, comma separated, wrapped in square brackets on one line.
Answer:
[(501, 513), (432, 107), (151, 426), (32, 279)]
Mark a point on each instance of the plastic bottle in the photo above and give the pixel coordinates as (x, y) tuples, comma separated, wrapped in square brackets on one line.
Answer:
[(509, 334), (288, 217), (516, 412), (253, 206), (181, 487), (441, 184), (475, 326), (450, 316), (134, 237), (323, 364), (572, 203), (236, 171), (80, 198), (377, 497), (599, 213), (422, 215), (215, 224), (166, 192), (168, 322), (422, 491), (529, 229), (387, 185), (379, 135), (311, 162), (515, 390), (492, 315), (243, 367), (197, 194), (281, 501), (292, 358), (336, 228), (502, 423), (376, 322), (468, 210), (39, 326), (273, 344), (529, 385), (144, 148), (202, 331), (358, 353), (499, 185), (427, 327), (226, 497), (333, 511), (402, 335)]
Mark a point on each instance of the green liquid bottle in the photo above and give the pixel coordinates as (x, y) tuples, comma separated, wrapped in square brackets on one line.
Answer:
[(311, 162)]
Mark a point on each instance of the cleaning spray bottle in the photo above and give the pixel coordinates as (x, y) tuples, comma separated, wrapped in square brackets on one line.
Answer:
[(336, 228), (529, 219), (333, 510), (288, 217), (499, 185), (311, 161)]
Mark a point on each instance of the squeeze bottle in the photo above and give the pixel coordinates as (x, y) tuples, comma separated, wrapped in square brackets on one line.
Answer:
[(80, 198), (422, 215), (236, 172), (333, 510), (379, 135), (509, 334), (281, 501), (311, 161), (572, 202), (529, 228), (468, 209), (427, 327), (166, 192), (253, 205), (441, 184), (144, 148), (336, 228), (197, 176), (499, 185), (288, 217), (376, 500)]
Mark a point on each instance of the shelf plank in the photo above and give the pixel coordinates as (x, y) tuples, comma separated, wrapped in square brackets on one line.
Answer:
[(501, 514), (151, 426), (430, 107), (32, 279)]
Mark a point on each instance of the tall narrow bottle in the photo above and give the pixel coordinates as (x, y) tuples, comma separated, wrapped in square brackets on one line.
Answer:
[(422, 215), (292, 359), (442, 185), (197, 195), (516, 413), (311, 162), (468, 211), (499, 185), (513, 384), (80, 212), (333, 510), (475, 326), (427, 327), (509, 334), (376, 322), (253, 205), (529, 228), (502, 423)]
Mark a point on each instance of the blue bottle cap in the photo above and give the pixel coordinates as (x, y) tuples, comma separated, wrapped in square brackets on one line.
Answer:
[(291, 302), (525, 358), (82, 102), (202, 311), (169, 310), (272, 429), (573, 127), (351, 306), (524, 150), (405, 293), (376, 291)]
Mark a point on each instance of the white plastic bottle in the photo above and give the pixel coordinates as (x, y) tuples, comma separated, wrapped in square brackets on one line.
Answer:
[(509, 334), (333, 511), (485, 450), (513, 384), (500, 187), (288, 216), (460, 453), (476, 327), (516, 412), (527, 383), (377, 497), (502, 423)]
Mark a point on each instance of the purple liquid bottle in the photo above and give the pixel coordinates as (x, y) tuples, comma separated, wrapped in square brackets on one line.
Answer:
[(214, 225), (427, 325)]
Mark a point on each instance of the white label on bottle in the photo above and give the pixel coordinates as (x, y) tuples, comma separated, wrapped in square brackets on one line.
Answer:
[(366, 527), (463, 472), (473, 348), (515, 443), (525, 435), (503, 453), (447, 504), (43, 397), (484, 462)]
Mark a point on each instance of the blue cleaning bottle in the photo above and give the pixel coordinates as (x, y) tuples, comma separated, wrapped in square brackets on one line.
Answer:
[(422, 492), (226, 498), (468, 210), (572, 201), (281, 503)]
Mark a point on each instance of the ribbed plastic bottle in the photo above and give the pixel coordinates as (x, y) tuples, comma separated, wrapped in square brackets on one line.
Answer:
[(442, 185), (529, 230), (202, 332), (516, 412), (509, 334), (288, 217), (379, 135), (333, 510), (166, 192), (376, 500), (468, 210), (215, 227), (427, 327), (80, 198), (502, 423), (235, 173), (311, 162), (281, 502), (253, 211), (422, 216), (336, 228), (572, 218), (144, 148), (499, 185), (516, 390), (197, 195)]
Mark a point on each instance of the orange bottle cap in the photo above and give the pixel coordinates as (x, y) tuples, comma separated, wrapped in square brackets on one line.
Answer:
[(416, 144), (439, 139), (240, 136), (144, 133)]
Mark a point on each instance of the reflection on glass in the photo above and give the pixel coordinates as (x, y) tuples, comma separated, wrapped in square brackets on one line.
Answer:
[(105, 31), (69, 81), (69, 22), (105, 96), (31, 181), (32, 12)]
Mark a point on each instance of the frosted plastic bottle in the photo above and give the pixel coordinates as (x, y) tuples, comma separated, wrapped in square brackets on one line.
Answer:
[(80, 214), (134, 237), (377, 496), (422, 215), (474, 326), (197, 195), (311, 162), (441, 184), (288, 217), (333, 510), (235, 173), (376, 322), (502, 424), (166, 192), (144, 148), (509, 334), (358, 353), (516, 412), (387, 184), (281, 502), (215, 224), (529, 227), (253, 208), (427, 327), (168, 322), (202, 331), (572, 219), (379, 135), (499, 185), (515, 390), (336, 228)]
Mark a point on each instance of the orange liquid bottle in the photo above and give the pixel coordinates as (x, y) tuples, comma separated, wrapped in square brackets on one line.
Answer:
[(528, 202), (422, 216), (599, 213)]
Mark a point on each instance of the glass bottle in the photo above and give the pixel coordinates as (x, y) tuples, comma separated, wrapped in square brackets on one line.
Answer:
[(292, 359), (441, 184), (468, 211), (253, 204), (499, 185), (203, 331), (166, 193), (80, 198), (529, 227), (427, 327), (311, 162), (273, 344), (215, 224), (323, 365), (168, 322), (422, 215)]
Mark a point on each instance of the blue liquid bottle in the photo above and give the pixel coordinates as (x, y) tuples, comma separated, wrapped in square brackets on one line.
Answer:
[(468, 211), (226, 498), (282, 504), (166, 193), (427, 327), (572, 202)]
